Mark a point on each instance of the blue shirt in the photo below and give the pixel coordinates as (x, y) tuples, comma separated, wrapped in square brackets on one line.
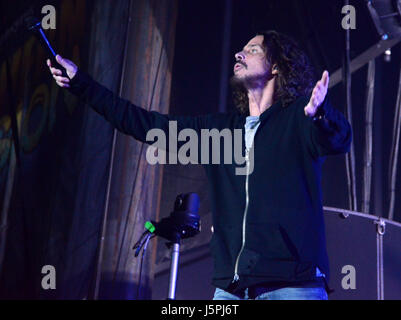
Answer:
[(251, 125)]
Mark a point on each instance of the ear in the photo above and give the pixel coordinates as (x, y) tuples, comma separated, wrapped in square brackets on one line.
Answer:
[(275, 69)]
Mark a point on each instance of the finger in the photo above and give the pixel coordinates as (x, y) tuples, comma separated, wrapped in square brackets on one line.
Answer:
[(61, 79), (63, 85), (325, 78), (315, 91), (49, 63), (318, 86), (56, 72), (62, 61)]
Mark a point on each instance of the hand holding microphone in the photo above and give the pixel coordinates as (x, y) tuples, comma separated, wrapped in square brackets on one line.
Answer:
[(61, 76), (70, 68)]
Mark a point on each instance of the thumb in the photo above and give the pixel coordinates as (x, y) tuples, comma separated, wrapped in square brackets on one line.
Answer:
[(64, 63), (325, 78), (69, 66)]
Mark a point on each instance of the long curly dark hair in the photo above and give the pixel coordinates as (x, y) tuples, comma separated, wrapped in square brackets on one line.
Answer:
[(296, 76)]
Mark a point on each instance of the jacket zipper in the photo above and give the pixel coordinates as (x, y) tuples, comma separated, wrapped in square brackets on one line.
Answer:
[(236, 276)]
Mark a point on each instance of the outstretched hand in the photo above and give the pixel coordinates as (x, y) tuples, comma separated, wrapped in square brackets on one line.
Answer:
[(318, 94), (70, 68)]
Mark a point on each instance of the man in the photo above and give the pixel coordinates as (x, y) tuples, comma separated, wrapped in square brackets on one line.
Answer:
[(269, 238)]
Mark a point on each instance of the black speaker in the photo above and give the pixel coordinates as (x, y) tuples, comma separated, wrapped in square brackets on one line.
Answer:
[(367, 246), (392, 261), (351, 246)]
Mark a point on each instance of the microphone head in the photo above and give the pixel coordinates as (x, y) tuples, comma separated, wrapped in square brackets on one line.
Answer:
[(32, 22)]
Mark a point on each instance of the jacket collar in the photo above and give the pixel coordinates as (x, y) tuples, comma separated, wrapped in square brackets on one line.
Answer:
[(269, 111), (264, 115)]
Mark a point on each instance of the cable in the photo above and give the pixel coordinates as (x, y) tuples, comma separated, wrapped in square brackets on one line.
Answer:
[(394, 152), (350, 156), (148, 237)]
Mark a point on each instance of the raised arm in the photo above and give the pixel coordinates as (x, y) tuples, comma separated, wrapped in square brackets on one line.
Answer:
[(122, 114), (325, 129)]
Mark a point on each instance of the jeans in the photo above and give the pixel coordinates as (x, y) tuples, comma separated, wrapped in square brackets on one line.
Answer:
[(287, 293)]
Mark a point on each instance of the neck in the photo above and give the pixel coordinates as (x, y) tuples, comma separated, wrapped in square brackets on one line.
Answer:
[(261, 98)]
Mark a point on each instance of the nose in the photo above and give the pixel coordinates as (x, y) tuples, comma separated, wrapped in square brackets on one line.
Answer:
[(239, 56)]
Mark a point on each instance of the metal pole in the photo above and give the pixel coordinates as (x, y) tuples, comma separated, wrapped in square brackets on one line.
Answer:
[(367, 169), (225, 56), (394, 151), (11, 176), (175, 254), (380, 231), (358, 62), (350, 157)]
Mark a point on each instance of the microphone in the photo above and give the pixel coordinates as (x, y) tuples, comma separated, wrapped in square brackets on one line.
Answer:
[(34, 25)]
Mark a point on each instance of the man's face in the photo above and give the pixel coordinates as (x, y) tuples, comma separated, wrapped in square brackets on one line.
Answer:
[(252, 65)]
